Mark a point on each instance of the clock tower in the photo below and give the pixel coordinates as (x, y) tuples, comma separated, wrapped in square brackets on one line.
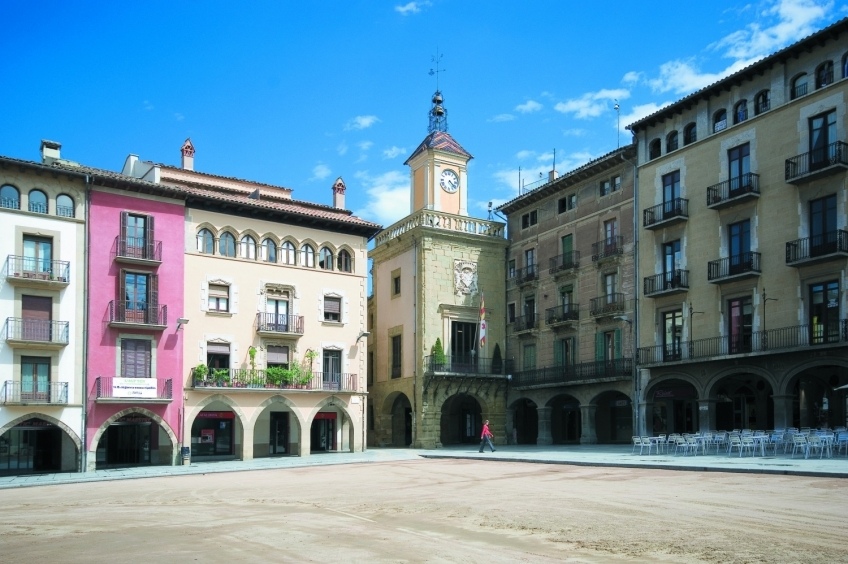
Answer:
[(438, 168)]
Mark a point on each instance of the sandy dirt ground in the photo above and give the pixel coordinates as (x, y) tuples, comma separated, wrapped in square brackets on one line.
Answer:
[(432, 511)]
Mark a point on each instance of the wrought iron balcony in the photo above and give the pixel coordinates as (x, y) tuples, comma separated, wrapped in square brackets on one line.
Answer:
[(265, 379), (562, 314), (666, 213), (37, 273), (128, 313), (109, 389), (526, 275), (565, 262), (465, 364), (619, 368), (832, 245), (609, 304), (817, 163), (273, 323), (138, 250), (733, 191), (796, 337), (33, 391), (743, 265), (798, 90), (36, 333), (671, 282), (606, 248), (524, 323)]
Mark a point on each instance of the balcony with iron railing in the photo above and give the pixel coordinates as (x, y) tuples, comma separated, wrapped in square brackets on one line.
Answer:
[(798, 90), (267, 379), (32, 272), (272, 324), (762, 106), (28, 392), (560, 315), (138, 250), (140, 315), (524, 323), (607, 248), (671, 282), (564, 263), (736, 267), (825, 247), (782, 339), (36, 333), (467, 364), (817, 163), (666, 213), (610, 304), (733, 191), (117, 389), (527, 275), (616, 369)]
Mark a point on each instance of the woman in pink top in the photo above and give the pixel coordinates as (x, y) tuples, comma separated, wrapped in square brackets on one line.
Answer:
[(486, 437)]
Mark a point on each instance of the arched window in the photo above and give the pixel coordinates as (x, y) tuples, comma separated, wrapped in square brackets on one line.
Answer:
[(799, 86), (824, 74), (64, 205), (654, 149), (719, 121), (325, 259), (287, 253), (740, 111), (10, 198), (307, 256), (227, 245), (690, 133), (269, 250), (762, 102), (344, 261), (671, 142), (247, 247), (205, 242), (37, 201)]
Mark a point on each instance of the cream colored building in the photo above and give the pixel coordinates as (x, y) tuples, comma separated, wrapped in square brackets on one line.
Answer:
[(431, 272), (743, 245), (275, 304)]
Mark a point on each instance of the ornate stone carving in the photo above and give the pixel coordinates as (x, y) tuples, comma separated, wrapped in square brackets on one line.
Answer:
[(465, 277)]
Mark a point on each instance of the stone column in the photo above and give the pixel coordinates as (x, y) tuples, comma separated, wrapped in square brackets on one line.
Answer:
[(646, 419), (782, 411), (706, 414), (544, 416), (510, 426), (588, 434)]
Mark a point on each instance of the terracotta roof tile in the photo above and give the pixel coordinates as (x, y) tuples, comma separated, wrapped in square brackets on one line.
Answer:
[(440, 141)]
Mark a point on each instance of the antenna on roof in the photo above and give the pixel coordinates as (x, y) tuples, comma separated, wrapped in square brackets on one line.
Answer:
[(437, 59), (617, 124)]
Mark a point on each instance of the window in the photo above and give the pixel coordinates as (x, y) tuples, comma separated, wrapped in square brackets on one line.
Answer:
[(610, 287), (616, 183), (396, 356), (277, 355), (332, 365), (38, 255), (672, 334), (307, 256), (740, 247), (739, 162), (136, 238), (277, 313), (227, 245), (566, 297), (719, 121), (823, 230), (762, 102), (690, 133), (671, 194), (135, 358), (739, 319), (325, 259), (567, 203), (345, 261), (529, 356), (608, 345), (529, 219), (822, 140), (510, 269), (65, 206), (247, 247), (564, 352), (740, 111), (332, 309), (218, 355), (799, 86), (287, 253), (219, 297), (396, 285), (37, 201), (510, 313), (671, 142), (824, 74), (530, 261), (654, 149), (10, 198), (370, 368), (824, 312), (671, 263), (35, 378), (139, 298), (567, 247), (606, 187), (610, 232), (269, 250), (205, 242)]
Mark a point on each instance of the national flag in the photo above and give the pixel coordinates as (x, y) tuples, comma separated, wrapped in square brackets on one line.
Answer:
[(482, 320)]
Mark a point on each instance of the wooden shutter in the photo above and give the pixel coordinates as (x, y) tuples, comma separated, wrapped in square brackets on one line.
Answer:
[(278, 355), (135, 358), (217, 348), (150, 245), (124, 221), (332, 305), (599, 346), (153, 299), (121, 302), (558, 352), (618, 343)]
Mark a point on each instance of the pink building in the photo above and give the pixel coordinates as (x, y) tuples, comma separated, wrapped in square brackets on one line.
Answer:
[(135, 305)]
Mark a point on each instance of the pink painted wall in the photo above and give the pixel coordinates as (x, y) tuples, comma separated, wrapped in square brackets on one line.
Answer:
[(105, 225)]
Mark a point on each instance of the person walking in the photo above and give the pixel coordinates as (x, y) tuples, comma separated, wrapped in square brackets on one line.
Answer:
[(486, 437)]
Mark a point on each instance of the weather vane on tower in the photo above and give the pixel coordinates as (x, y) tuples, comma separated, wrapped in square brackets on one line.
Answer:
[(438, 114)]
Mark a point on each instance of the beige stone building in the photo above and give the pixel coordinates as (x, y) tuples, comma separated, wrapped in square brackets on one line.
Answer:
[(431, 273), (275, 305), (743, 245), (569, 299)]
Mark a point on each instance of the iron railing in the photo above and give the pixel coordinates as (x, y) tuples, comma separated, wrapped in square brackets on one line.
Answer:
[(527, 274), (37, 330), (275, 323), (762, 106), (65, 211), (105, 388), (798, 90), (259, 379), (41, 269), (821, 245), (565, 261), (665, 281), (573, 373), (748, 183), (525, 322), (609, 247), (806, 163), (561, 313), (37, 207), (676, 208), (142, 313), (608, 304), (33, 391), (823, 78), (10, 203), (139, 248), (742, 263), (466, 364)]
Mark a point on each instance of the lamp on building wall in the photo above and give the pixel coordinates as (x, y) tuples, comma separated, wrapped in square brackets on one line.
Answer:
[(364, 334), (181, 321)]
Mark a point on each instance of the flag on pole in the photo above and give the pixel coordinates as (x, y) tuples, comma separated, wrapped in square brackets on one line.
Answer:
[(482, 320)]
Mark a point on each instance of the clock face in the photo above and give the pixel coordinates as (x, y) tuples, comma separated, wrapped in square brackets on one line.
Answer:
[(449, 181)]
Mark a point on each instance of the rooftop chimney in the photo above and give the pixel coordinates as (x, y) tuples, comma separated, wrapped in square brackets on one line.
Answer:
[(50, 151), (187, 151), (339, 194), (552, 175)]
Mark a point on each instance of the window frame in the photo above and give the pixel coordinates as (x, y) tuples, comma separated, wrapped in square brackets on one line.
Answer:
[(219, 295), (247, 243), (332, 314), (396, 350), (690, 133), (204, 242), (31, 205), (6, 200), (227, 245)]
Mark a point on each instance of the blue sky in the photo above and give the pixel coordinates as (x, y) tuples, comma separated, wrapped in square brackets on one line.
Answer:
[(299, 93)]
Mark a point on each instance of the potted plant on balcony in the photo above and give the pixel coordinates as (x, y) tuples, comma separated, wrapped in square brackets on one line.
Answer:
[(221, 376), (275, 376), (438, 355), (200, 372)]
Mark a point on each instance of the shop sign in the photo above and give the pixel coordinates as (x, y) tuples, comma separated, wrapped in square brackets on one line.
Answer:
[(134, 387), (324, 415), (678, 393), (207, 436), (34, 423), (216, 415), (134, 418)]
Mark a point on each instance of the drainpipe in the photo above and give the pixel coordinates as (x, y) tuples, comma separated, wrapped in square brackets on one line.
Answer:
[(86, 315), (637, 387), (415, 349)]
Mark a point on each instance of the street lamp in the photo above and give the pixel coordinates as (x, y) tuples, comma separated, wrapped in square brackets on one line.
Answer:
[(765, 333)]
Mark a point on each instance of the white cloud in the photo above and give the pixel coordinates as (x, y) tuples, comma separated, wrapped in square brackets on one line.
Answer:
[(365, 145), (342, 149), (320, 172), (411, 8), (361, 122), (528, 107), (388, 196), (683, 77), (501, 117), (574, 132), (640, 111), (524, 154), (393, 152), (631, 77), (592, 104)]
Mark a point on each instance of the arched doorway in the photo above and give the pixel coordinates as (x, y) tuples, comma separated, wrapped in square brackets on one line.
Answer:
[(817, 401), (613, 418), (134, 437), (525, 421), (566, 426), (35, 445), (744, 401), (675, 407), (401, 421), (216, 433), (461, 420)]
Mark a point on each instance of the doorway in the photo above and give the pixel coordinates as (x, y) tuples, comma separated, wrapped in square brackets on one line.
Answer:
[(279, 435), (323, 433)]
